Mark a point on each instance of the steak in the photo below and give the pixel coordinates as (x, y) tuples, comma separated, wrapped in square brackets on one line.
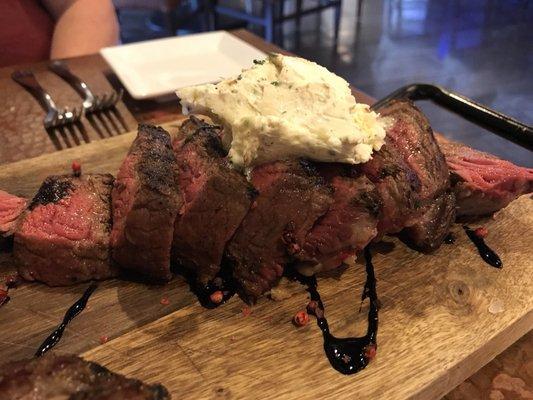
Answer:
[(433, 225), (216, 199), (63, 236), (146, 200), (349, 224), (10, 209), (483, 183), (292, 196), (71, 377), (409, 171)]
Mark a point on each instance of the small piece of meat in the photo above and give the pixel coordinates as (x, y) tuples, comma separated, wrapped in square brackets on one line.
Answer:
[(10, 209), (409, 171), (348, 226), (292, 196), (63, 236), (146, 200), (216, 199), (432, 227), (70, 377), (483, 183)]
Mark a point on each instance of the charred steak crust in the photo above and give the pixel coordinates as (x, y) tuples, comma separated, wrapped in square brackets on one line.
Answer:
[(64, 237), (409, 171), (52, 190), (433, 225), (68, 376), (216, 199), (292, 196), (349, 224), (146, 200)]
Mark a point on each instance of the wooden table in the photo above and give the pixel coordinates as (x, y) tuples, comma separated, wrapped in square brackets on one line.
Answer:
[(140, 314)]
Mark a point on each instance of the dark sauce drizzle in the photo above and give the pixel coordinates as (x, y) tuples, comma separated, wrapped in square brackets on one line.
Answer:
[(223, 281), (204, 292), (72, 312), (349, 355), (450, 238), (487, 254)]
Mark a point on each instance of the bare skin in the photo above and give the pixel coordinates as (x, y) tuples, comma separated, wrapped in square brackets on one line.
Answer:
[(82, 26)]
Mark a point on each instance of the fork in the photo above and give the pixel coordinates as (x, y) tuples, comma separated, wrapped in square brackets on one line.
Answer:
[(54, 117), (91, 103)]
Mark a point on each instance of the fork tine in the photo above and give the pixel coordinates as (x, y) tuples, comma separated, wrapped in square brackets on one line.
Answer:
[(112, 99)]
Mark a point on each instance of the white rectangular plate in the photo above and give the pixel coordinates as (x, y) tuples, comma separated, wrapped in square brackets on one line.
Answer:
[(158, 67)]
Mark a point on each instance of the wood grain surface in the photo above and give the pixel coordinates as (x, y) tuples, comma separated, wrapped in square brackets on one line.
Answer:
[(435, 325)]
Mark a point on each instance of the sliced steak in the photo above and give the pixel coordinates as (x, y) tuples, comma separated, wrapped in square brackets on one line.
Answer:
[(292, 196), (216, 199), (70, 377), (10, 209), (63, 236), (146, 200), (482, 182), (433, 225), (409, 171), (348, 226)]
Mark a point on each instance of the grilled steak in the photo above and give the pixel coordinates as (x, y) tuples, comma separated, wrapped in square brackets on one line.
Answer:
[(482, 182), (71, 377), (10, 209), (63, 236), (409, 171), (432, 226), (216, 199), (348, 226), (145, 203), (291, 198)]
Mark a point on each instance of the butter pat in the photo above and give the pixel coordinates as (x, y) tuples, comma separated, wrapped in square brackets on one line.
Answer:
[(287, 107)]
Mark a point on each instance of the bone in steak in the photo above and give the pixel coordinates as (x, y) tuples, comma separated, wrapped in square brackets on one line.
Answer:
[(292, 196), (215, 199), (145, 203), (63, 236), (10, 209), (482, 182), (71, 377), (348, 226)]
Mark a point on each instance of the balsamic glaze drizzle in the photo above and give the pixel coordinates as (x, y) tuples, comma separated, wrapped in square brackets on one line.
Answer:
[(72, 312), (450, 238), (204, 292), (224, 282), (349, 355), (487, 254)]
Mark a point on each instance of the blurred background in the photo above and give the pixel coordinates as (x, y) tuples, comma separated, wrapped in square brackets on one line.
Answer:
[(480, 48)]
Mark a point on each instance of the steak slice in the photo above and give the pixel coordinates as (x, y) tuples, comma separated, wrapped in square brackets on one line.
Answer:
[(71, 377), (146, 201), (216, 199), (409, 171), (63, 236), (10, 209), (292, 196), (348, 226), (433, 224), (483, 183)]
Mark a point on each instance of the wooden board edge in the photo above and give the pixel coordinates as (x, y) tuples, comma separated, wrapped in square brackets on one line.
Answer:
[(457, 374)]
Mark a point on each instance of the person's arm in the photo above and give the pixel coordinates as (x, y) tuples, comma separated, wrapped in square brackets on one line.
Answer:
[(82, 26)]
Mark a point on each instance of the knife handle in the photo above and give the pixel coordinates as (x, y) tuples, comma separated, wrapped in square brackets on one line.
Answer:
[(494, 121)]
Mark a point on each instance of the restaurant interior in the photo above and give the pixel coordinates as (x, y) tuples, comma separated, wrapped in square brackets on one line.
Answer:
[(80, 78)]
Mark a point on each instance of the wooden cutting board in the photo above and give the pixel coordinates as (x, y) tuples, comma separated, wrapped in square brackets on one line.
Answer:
[(443, 315)]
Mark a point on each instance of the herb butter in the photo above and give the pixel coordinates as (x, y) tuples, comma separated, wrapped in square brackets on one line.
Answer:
[(287, 107)]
